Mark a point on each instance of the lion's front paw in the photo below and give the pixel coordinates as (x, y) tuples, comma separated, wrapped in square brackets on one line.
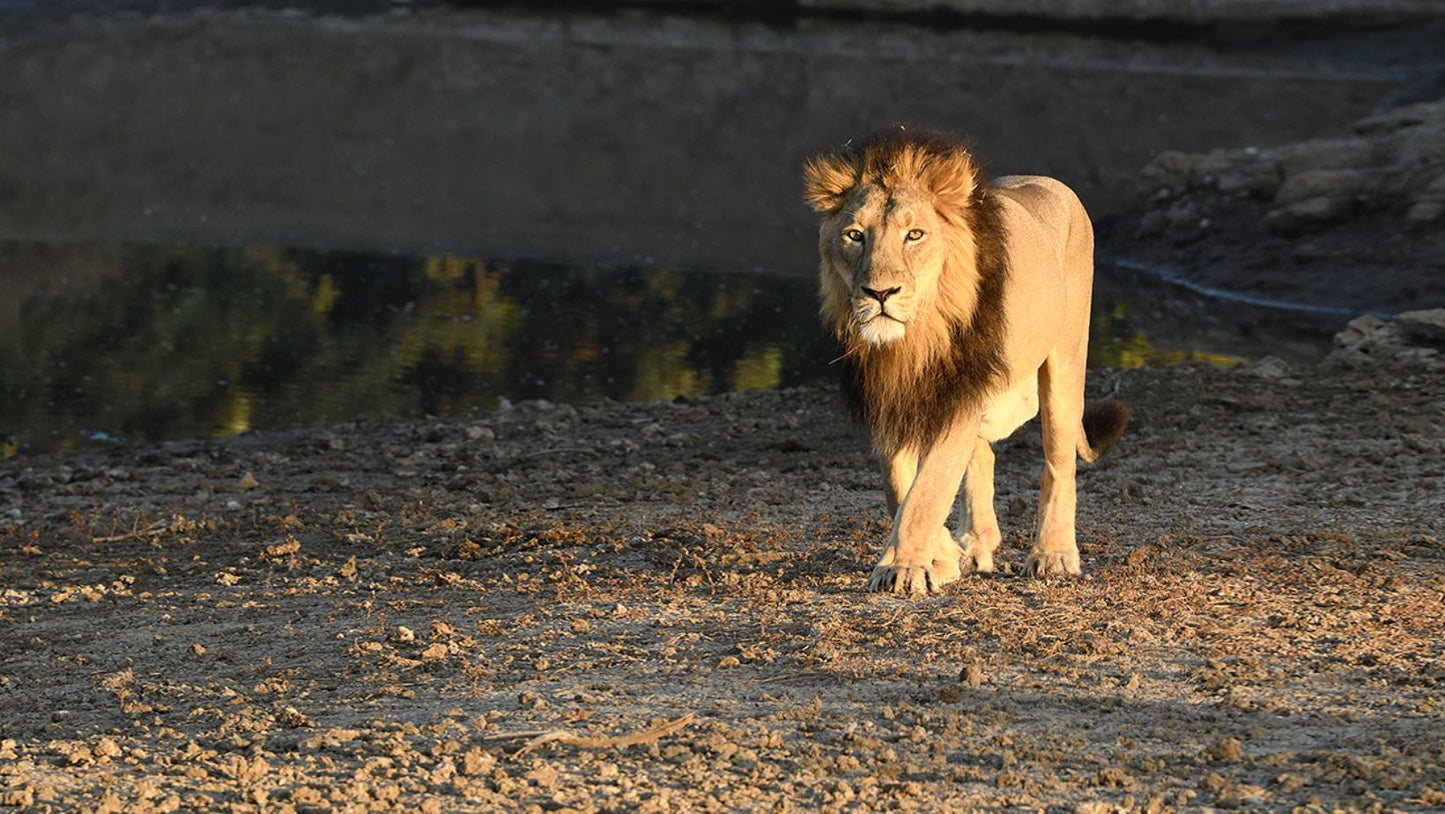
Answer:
[(1052, 563), (911, 580), (943, 565)]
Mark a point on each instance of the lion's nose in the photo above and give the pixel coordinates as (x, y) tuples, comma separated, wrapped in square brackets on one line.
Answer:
[(883, 295)]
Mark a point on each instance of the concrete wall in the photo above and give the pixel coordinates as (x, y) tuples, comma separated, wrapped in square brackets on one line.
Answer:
[(641, 138)]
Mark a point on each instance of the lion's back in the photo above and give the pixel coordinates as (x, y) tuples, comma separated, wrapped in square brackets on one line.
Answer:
[(1051, 265), (1047, 200), (1045, 219)]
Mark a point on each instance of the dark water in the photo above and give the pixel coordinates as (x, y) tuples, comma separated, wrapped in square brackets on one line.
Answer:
[(182, 341), (646, 165), (147, 342)]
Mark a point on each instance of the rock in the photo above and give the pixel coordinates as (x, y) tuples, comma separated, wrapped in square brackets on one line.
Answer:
[(107, 748), (1224, 750), (1362, 333), (1175, 170), (1369, 339), (1423, 212), (1255, 178), (1429, 205), (1331, 184), (1306, 215), (476, 762), (1322, 155), (544, 776), (1372, 200), (1270, 368), (1424, 325), (1423, 113), (972, 675)]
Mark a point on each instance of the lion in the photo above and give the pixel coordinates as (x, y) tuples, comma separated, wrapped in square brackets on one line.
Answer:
[(961, 310)]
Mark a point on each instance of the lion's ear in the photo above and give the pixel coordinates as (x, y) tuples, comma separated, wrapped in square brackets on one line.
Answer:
[(826, 182), (954, 179)]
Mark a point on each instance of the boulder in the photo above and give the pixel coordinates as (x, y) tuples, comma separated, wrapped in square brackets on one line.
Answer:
[(1333, 184), (1428, 325), (1308, 214), (1429, 205), (1323, 154), (1404, 340)]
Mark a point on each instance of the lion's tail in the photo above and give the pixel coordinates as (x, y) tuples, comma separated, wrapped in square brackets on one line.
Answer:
[(1104, 422)]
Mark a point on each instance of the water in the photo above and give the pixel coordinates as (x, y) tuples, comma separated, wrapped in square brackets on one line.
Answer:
[(177, 341), (133, 342), (491, 205)]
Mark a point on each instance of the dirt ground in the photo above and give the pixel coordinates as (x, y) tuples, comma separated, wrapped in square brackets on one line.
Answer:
[(405, 616)]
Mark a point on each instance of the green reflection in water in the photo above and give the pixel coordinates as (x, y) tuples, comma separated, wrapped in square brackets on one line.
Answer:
[(1114, 342), (153, 342), (183, 341)]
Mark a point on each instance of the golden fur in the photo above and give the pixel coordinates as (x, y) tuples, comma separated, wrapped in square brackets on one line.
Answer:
[(960, 310)]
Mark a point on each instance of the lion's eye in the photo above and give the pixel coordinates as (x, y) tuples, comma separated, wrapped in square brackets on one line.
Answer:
[(855, 235), (915, 234)]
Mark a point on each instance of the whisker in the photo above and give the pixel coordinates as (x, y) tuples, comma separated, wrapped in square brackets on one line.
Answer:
[(851, 351)]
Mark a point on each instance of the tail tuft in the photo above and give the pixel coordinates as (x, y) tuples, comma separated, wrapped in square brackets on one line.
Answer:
[(1104, 422)]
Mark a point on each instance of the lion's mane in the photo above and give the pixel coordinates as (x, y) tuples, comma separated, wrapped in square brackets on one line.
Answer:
[(951, 356)]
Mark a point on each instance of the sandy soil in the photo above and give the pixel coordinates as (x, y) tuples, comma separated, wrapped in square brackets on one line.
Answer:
[(373, 617)]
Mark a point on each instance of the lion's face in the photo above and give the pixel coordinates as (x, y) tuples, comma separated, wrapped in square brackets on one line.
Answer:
[(894, 217), (882, 252)]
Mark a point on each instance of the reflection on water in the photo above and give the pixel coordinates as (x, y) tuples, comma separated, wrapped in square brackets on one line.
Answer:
[(145, 342), (184, 341), (1141, 319)]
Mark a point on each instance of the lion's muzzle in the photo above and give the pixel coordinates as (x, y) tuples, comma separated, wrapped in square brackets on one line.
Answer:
[(879, 313)]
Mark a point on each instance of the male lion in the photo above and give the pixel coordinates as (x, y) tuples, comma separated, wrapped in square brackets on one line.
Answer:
[(962, 311)]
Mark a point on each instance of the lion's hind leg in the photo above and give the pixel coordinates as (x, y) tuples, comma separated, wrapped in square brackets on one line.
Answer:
[(980, 535), (1061, 407)]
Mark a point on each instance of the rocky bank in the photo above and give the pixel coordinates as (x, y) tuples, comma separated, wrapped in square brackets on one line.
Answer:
[(1354, 221)]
